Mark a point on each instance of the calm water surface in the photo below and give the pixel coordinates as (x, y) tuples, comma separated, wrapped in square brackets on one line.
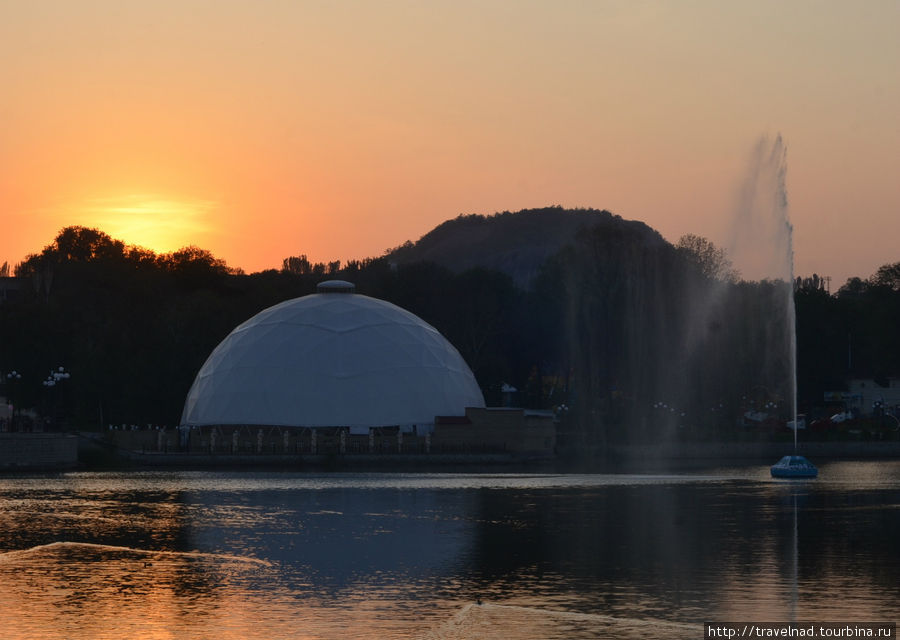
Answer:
[(294, 555)]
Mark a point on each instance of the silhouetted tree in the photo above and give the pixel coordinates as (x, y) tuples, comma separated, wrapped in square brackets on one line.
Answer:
[(712, 261), (887, 276), (854, 287)]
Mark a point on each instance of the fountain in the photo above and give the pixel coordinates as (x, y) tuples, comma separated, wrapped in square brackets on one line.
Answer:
[(766, 224)]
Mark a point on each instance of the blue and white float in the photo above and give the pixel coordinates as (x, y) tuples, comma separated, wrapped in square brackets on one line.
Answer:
[(794, 467)]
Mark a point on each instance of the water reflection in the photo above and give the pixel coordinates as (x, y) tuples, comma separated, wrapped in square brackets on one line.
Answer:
[(262, 555), (88, 590)]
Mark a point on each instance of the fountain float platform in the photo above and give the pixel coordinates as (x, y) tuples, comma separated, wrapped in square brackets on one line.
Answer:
[(794, 467)]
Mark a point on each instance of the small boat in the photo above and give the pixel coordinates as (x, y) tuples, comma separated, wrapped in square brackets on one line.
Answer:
[(794, 467)]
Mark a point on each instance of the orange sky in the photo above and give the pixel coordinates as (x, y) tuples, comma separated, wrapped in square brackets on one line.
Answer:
[(260, 130)]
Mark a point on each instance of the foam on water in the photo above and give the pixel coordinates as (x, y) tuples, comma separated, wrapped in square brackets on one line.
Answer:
[(63, 546), (488, 621)]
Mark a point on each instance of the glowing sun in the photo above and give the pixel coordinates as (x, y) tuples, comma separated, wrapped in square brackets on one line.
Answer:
[(151, 221)]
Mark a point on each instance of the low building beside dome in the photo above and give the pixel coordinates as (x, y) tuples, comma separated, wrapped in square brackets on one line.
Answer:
[(494, 433), (516, 431)]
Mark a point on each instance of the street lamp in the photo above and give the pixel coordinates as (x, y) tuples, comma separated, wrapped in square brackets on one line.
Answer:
[(54, 378), (12, 378)]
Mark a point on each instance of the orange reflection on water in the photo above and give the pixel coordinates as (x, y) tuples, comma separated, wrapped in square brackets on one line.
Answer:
[(86, 591), (71, 590)]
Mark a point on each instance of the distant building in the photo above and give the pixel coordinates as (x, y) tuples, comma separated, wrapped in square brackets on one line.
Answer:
[(866, 392)]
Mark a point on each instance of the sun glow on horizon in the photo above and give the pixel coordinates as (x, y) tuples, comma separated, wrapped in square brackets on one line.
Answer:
[(243, 129), (151, 221)]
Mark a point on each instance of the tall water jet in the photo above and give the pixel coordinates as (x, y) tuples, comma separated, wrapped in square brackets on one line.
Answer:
[(737, 341), (762, 235), (762, 248), (762, 245), (667, 343)]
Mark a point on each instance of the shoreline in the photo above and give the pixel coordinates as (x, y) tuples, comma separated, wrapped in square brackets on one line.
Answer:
[(96, 453), (756, 450), (40, 451), (89, 451)]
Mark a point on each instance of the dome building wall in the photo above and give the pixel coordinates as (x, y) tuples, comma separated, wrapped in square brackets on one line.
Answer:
[(332, 359)]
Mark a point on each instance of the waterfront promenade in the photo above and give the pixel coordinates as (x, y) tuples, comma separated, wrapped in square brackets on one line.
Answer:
[(26, 451)]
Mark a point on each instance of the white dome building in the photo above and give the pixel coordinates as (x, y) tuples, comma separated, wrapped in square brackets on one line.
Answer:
[(332, 359)]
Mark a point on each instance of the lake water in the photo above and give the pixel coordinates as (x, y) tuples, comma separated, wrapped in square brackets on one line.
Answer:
[(356, 555)]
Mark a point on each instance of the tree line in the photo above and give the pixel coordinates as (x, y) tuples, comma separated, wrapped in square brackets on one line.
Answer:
[(628, 338)]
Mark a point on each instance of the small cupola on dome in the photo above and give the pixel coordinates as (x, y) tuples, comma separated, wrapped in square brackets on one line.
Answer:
[(336, 286)]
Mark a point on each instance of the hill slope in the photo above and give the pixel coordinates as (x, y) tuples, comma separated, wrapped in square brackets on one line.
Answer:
[(514, 243)]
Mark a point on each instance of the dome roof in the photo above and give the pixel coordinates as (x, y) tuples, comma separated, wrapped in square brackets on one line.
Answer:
[(332, 359)]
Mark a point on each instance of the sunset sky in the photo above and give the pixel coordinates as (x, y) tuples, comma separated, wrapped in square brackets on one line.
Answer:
[(260, 130)]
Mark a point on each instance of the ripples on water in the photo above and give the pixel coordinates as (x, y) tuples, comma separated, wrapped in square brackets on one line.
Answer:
[(282, 555)]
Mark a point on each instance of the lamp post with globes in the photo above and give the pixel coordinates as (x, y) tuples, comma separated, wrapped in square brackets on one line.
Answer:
[(55, 377), (12, 396)]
